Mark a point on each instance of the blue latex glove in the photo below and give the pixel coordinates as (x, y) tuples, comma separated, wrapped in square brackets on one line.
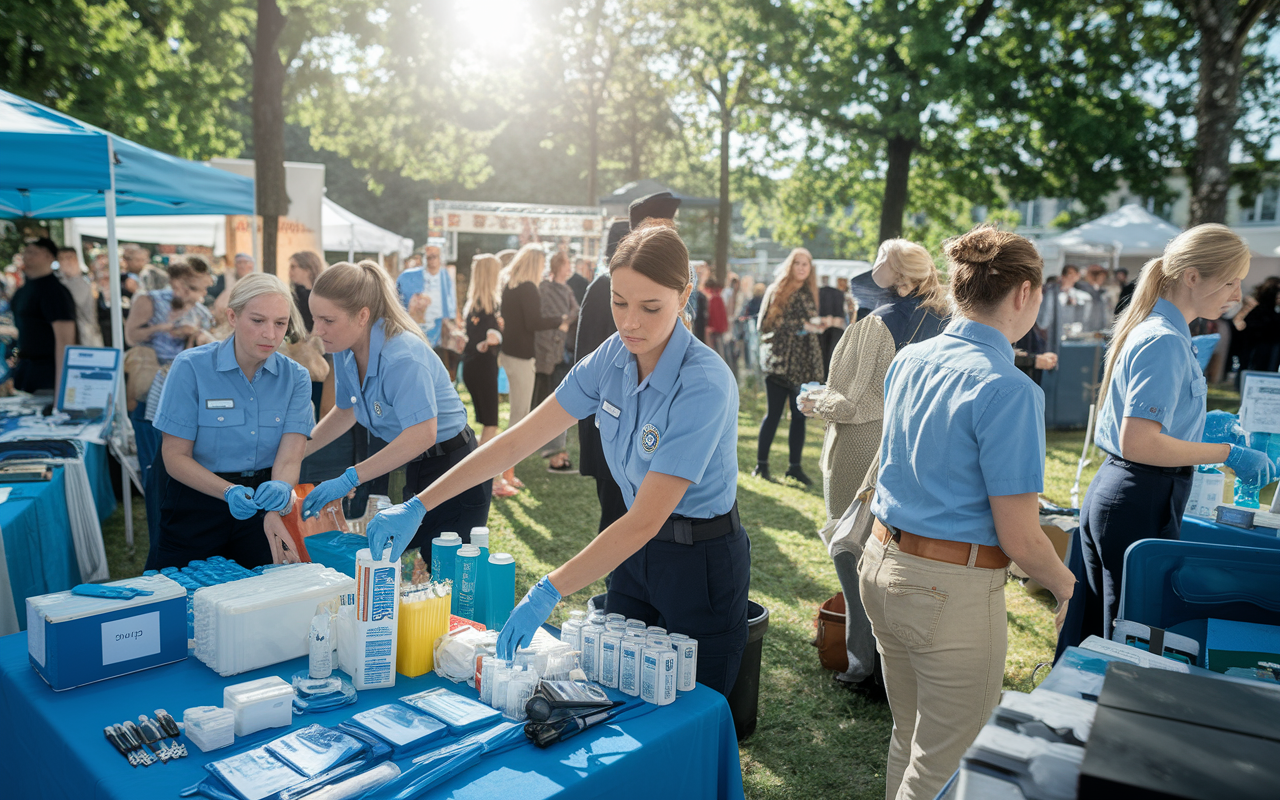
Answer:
[(324, 494), (1253, 467), (527, 617), (1222, 427), (396, 527), (240, 498), (273, 496)]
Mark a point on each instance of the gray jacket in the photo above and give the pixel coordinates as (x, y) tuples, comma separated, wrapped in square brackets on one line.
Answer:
[(548, 346)]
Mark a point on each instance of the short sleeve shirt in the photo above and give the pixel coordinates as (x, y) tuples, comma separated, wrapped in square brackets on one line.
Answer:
[(681, 420), (1156, 377), (235, 424), (36, 306), (405, 384), (962, 424)]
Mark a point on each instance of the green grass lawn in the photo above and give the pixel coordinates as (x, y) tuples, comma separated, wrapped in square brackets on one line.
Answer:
[(814, 739)]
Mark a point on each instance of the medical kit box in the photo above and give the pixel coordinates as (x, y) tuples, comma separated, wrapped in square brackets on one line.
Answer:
[(1227, 643), (1166, 734), (73, 640)]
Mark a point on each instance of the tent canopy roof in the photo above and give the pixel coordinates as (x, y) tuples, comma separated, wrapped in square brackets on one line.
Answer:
[(54, 166), (344, 231), (1131, 228)]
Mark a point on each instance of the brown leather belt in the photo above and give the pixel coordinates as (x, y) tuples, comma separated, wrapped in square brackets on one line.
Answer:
[(943, 550)]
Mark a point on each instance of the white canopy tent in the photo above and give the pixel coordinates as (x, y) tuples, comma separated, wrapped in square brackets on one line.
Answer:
[(1130, 233), (341, 231)]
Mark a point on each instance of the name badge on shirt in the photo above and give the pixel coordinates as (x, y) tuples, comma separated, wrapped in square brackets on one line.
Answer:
[(219, 403), (611, 409)]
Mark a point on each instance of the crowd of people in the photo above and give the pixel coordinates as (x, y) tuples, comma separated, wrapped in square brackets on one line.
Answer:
[(934, 431)]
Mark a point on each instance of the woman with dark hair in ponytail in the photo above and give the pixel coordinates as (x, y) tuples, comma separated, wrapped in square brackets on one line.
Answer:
[(667, 407), (1152, 419), (961, 468), (387, 378)]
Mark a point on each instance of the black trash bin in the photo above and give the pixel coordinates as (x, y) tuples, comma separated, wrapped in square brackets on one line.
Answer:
[(744, 699)]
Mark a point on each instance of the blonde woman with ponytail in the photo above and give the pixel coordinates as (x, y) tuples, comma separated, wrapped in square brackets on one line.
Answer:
[(852, 405), (387, 378), (1151, 423)]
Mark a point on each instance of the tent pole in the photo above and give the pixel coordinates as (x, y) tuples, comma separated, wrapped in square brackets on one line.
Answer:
[(253, 218), (117, 334)]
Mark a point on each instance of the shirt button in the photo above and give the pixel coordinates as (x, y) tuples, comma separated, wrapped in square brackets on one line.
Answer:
[(250, 398), (220, 419), (253, 433), (277, 419), (353, 398)]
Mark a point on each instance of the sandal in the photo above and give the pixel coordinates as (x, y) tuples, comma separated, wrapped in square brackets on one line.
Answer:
[(516, 483), (504, 489)]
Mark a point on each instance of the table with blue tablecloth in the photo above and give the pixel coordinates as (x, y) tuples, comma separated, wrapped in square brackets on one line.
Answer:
[(39, 552), (1195, 529), (54, 746)]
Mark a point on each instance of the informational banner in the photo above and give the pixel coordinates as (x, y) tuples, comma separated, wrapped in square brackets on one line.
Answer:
[(299, 229), (89, 379), (528, 221)]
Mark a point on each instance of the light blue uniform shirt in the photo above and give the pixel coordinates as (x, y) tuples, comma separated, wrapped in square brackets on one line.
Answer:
[(681, 420), (413, 281), (962, 423), (1156, 377), (235, 423), (404, 385)]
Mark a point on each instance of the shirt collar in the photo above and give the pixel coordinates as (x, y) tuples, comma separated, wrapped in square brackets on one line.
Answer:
[(664, 375), (226, 358), (981, 334), (377, 338), (1173, 316)]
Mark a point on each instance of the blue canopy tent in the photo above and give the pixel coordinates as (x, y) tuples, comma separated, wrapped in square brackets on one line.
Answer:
[(54, 166)]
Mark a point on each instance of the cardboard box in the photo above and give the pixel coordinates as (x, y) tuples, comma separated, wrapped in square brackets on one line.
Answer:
[(74, 640)]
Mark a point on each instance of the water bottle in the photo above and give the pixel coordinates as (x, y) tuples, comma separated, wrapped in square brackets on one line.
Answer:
[(501, 589), (480, 538), (443, 551), (466, 568)]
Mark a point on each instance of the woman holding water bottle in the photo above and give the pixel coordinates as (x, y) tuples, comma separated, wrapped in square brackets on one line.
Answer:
[(1152, 418), (667, 407)]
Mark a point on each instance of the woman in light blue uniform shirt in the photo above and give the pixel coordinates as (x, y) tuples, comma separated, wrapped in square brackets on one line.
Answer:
[(1151, 424), (961, 465), (667, 407), (387, 378), (235, 416)]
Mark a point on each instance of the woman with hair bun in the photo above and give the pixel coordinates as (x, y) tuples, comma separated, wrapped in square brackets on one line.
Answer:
[(1152, 419), (852, 405), (389, 379), (961, 468), (667, 407)]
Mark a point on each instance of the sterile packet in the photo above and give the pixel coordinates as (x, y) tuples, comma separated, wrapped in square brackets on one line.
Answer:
[(461, 714), (314, 749), (405, 729), (255, 775)]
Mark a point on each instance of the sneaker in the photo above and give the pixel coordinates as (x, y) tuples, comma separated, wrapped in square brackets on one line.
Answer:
[(798, 474), (761, 471), (566, 468)]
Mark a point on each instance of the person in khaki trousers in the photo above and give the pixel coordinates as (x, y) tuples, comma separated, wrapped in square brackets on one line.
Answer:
[(961, 465)]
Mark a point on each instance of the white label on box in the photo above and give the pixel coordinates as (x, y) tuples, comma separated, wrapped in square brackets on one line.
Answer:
[(35, 634), (132, 637), (1206, 493)]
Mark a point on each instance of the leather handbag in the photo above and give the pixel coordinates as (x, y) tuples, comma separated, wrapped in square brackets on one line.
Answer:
[(829, 637)]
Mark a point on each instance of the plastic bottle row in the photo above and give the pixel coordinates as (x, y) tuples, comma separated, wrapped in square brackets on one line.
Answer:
[(638, 660)]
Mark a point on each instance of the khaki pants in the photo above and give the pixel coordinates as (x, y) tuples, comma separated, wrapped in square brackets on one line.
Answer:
[(941, 632), (520, 374)]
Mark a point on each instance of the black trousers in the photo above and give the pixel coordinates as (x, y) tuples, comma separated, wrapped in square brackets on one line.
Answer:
[(699, 590), (1125, 502), (779, 395), (194, 525), (459, 514)]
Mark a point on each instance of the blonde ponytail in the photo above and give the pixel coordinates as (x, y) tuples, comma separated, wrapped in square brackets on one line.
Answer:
[(355, 286), (1214, 251)]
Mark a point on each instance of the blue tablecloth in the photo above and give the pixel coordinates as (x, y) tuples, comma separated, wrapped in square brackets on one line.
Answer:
[(37, 530), (1195, 529), (54, 747)]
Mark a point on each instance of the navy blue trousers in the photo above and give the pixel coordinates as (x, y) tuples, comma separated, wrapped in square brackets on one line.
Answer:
[(1125, 502), (699, 590)]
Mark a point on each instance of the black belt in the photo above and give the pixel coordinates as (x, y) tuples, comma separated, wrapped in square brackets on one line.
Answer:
[(1177, 471), (458, 442), (684, 530), (237, 477)]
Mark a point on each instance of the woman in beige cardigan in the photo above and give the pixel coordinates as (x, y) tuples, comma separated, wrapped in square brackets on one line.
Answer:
[(852, 405)]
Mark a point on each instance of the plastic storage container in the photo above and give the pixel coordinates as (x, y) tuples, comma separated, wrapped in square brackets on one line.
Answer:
[(258, 705), (209, 727)]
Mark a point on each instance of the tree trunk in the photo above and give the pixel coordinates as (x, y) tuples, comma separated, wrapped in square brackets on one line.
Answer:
[(894, 205), (633, 170), (725, 219), (268, 128), (1216, 109), (593, 152)]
